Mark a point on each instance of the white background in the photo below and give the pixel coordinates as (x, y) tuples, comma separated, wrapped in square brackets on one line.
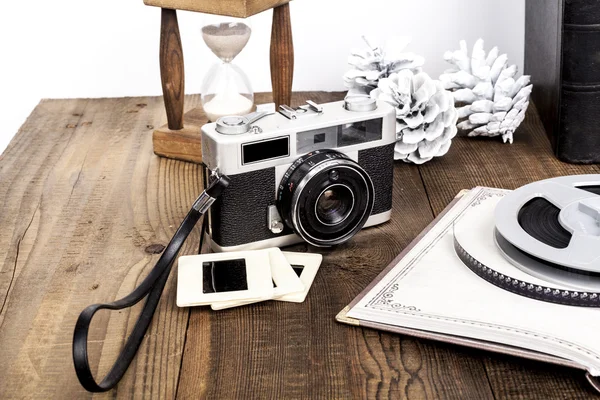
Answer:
[(109, 48)]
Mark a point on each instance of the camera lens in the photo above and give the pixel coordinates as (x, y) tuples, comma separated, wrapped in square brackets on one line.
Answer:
[(325, 197), (334, 204)]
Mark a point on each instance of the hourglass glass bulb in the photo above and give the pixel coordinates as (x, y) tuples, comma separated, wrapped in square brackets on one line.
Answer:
[(226, 89), (226, 36)]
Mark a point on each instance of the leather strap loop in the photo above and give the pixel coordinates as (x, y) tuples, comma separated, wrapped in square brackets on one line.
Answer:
[(152, 286)]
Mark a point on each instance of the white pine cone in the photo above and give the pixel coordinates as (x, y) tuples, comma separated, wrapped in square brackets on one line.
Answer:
[(370, 65), (495, 103), (425, 115)]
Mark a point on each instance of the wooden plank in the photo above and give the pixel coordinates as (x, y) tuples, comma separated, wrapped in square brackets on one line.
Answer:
[(183, 144), (234, 8), (489, 162), (286, 350), (298, 350), (83, 199)]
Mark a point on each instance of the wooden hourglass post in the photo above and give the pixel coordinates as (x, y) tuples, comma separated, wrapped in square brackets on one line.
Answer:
[(183, 142), (282, 55), (171, 68)]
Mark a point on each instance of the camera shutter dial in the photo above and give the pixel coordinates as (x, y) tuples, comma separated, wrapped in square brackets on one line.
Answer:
[(360, 103), (237, 125), (233, 125)]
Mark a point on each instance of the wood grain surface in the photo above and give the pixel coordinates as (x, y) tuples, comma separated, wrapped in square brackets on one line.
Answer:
[(282, 55), (233, 8), (86, 206), (171, 68)]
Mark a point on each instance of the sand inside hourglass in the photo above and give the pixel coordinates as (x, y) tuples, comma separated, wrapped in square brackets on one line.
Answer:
[(227, 103), (226, 40)]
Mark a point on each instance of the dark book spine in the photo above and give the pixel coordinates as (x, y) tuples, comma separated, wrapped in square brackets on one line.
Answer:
[(543, 40), (579, 137), (562, 53)]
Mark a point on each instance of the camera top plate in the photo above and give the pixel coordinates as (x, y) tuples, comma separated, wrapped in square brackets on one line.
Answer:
[(225, 151)]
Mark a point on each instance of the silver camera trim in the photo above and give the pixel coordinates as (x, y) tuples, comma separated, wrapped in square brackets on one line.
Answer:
[(274, 220), (225, 125), (340, 163), (224, 151), (360, 104), (310, 108)]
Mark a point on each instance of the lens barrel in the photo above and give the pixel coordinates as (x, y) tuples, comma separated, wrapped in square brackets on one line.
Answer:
[(325, 197)]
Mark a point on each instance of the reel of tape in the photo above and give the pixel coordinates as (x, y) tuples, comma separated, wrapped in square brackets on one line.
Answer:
[(551, 229)]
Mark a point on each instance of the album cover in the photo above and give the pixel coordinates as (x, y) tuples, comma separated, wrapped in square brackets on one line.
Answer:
[(429, 292)]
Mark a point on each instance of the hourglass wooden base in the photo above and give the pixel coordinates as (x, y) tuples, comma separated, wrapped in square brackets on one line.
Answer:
[(185, 144), (180, 137), (182, 144)]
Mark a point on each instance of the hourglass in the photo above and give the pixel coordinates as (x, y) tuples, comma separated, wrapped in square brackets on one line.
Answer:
[(180, 137), (226, 89)]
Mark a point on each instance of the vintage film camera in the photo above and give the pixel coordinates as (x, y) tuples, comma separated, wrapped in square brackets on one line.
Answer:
[(318, 173)]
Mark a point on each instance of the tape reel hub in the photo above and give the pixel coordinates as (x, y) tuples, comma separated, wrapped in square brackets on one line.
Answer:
[(582, 216)]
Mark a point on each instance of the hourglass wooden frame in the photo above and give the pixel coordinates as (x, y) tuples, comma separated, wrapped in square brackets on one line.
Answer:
[(181, 140)]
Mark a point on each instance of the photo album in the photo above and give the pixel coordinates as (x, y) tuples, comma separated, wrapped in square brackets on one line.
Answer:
[(462, 282)]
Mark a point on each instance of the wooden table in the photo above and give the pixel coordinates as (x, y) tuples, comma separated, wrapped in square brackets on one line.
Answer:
[(85, 204)]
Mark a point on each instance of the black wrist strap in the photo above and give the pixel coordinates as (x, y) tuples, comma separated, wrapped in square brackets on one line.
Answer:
[(152, 286)]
